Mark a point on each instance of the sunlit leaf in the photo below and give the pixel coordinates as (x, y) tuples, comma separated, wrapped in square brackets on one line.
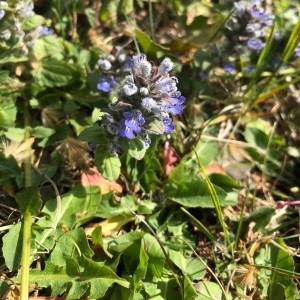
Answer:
[(12, 247), (147, 44), (281, 285)]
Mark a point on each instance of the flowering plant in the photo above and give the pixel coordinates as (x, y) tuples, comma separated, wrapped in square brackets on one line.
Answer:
[(146, 99)]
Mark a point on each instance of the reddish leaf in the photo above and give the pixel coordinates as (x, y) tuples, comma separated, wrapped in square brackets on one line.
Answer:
[(93, 177), (170, 158)]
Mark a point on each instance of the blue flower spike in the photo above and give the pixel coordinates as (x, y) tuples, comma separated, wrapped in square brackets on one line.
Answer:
[(148, 96)]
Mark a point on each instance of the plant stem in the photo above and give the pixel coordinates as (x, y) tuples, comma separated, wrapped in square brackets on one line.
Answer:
[(27, 221), (27, 218)]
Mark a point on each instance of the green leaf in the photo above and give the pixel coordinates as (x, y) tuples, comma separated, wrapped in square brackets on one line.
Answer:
[(109, 166), (15, 134), (256, 137), (12, 247), (135, 147), (32, 22), (156, 257), (8, 111), (209, 290), (189, 291), (93, 281), (98, 240), (110, 208), (140, 272), (194, 193), (123, 242), (55, 73), (48, 46), (190, 266), (72, 244), (77, 206), (147, 44), (42, 132), (30, 200), (108, 10), (162, 288), (156, 127), (281, 286), (224, 181), (261, 216), (94, 134), (126, 7), (8, 168), (4, 288)]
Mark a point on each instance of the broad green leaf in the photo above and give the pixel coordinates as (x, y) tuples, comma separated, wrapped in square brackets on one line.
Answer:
[(162, 288), (55, 73), (256, 137), (208, 290), (110, 208), (261, 216), (11, 57), (32, 22), (8, 111), (192, 267), (147, 44), (15, 134), (77, 206), (224, 181), (94, 280), (189, 291), (48, 46), (109, 166), (30, 200), (72, 244), (194, 193), (188, 166), (121, 243), (94, 134), (156, 257), (84, 57), (207, 151), (12, 247), (135, 147), (281, 286), (42, 132)]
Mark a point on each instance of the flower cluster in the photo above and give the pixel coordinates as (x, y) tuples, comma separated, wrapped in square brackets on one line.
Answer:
[(114, 63), (245, 31), (12, 31), (248, 25), (146, 99)]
